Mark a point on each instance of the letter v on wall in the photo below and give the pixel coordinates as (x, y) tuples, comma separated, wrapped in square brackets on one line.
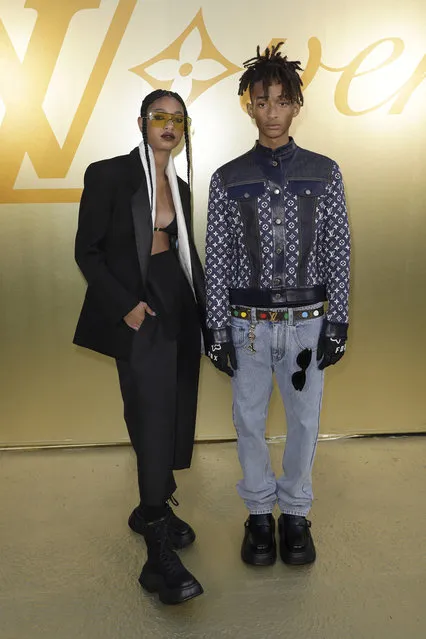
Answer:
[(23, 87)]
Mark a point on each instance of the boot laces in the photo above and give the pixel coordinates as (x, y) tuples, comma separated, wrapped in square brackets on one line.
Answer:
[(170, 559)]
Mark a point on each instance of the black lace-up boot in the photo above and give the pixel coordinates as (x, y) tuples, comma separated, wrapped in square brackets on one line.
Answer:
[(164, 572), (180, 533)]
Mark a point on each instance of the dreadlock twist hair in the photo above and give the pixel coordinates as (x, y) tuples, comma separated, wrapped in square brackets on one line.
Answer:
[(273, 68), (147, 101)]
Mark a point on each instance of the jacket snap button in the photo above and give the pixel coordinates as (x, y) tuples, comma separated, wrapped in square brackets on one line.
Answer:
[(308, 191), (274, 163), (246, 195), (278, 221), (276, 191)]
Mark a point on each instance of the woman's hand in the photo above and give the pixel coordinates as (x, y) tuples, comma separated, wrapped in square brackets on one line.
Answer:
[(136, 317)]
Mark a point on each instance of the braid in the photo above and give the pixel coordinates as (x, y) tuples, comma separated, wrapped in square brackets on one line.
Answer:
[(148, 100), (188, 157), (148, 160), (273, 68)]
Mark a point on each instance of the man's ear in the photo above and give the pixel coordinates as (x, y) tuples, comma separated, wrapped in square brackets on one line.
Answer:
[(296, 109), (250, 109)]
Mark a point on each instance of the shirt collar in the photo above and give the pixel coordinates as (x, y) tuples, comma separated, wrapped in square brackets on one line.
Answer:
[(281, 152)]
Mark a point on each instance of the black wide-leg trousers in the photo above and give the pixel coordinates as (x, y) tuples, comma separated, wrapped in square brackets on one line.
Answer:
[(159, 386)]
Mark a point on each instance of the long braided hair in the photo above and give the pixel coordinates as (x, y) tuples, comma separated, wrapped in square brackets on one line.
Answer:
[(148, 100), (273, 68)]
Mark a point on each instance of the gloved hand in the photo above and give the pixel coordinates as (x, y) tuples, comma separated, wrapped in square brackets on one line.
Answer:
[(220, 354), (331, 343)]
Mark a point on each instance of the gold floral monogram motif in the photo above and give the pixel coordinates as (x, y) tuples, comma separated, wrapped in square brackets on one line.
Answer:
[(190, 65)]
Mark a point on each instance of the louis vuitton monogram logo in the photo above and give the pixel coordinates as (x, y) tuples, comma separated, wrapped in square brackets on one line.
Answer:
[(190, 65)]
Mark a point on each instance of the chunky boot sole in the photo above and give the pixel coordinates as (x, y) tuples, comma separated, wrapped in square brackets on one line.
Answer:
[(178, 541), (153, 582), (306, 556), (257, 559), (135, 524)]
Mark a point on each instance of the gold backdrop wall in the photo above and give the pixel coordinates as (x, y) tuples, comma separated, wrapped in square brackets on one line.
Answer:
[(72, 75)]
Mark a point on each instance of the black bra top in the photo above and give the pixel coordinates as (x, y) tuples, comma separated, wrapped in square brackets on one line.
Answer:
[(171, 229)]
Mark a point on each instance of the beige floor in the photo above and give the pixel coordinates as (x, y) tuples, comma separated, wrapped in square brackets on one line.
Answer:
[(69, 564)]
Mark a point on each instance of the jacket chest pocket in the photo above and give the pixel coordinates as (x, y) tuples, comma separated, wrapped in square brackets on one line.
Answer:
[(307, 192), (246, 197), (246, 192)]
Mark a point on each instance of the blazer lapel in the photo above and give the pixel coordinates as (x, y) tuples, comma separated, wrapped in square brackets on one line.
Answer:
[(183, 191), (141, 212)]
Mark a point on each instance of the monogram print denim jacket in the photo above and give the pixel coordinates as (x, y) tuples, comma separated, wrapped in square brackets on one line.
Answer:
[(277, 224)]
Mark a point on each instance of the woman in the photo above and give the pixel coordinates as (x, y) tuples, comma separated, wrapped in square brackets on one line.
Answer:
[(144, 306)]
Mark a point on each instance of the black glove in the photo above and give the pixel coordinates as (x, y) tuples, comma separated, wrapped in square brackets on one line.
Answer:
[(331, 343), (219, 354)]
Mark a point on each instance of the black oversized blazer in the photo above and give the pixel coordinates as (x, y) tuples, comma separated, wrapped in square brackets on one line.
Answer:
[(112, 249)]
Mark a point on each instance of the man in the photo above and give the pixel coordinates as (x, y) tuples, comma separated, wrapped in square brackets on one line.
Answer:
[(277, 249)]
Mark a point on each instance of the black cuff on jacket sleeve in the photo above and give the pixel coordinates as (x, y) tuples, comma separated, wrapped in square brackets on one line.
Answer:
[(336, 329), (222, 335)]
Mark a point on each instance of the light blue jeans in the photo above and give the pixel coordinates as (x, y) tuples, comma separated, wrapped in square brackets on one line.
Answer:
[(277, 345)]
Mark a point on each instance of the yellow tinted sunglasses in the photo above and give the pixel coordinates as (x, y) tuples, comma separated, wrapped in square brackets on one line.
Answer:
[(161, 119)]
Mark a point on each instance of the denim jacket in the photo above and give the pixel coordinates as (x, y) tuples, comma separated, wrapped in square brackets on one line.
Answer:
[(277, 234)]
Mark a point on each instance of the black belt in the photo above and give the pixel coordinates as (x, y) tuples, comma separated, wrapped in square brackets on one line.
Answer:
[(270, 297), (244, 312)]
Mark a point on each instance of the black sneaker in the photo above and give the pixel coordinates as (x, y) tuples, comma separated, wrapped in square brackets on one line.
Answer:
[(180, 533), (259, 547), (296, 543)]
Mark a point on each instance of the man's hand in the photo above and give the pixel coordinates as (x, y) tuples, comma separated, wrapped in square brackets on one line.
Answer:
[(220, 354), (331, 344), (136, 317)]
